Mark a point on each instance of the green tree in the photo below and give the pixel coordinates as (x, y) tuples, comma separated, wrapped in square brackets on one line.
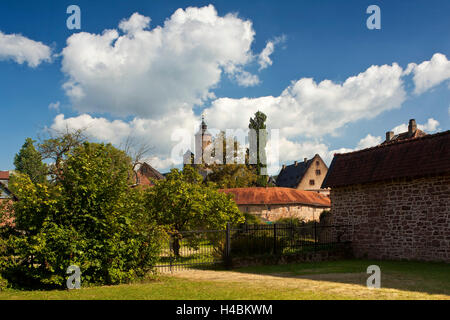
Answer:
[(181, 202), (57, 148), (258, 123), (230, 173), (90, 218), (29, 161)]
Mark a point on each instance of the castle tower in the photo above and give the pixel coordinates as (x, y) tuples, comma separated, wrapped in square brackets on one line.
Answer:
[(202, 140)]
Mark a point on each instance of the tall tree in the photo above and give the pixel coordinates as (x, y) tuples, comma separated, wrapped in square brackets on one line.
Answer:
[(58, 146), (258, 123), (29, 161)]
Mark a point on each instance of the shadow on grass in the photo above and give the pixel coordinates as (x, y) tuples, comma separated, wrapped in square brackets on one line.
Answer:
[(425, 277)]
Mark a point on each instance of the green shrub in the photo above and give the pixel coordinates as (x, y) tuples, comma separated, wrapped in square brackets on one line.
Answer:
[(91, 219), (252, 245)]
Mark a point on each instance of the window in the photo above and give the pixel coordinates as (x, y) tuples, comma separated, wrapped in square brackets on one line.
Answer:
[(311, 182), (317, 172), (268, 208), (317, 163)]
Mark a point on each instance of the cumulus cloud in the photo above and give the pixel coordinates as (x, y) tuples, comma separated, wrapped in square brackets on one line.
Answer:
[(152, 72), (264, 59), (21, 49), (315, 109), (157, 133), (429, 74), (430, 126)]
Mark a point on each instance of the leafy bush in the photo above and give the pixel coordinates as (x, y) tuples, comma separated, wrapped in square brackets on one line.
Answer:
[(252, 245), (91, 219)]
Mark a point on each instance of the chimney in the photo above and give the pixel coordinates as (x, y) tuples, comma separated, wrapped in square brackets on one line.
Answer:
[(389, 136), (412, 127), (295, 163), (284, 166), (305, 159)]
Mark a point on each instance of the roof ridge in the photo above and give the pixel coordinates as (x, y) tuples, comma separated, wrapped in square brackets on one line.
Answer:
[(395, 143)]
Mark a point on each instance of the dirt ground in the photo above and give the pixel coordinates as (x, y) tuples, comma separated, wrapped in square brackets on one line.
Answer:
[(346, 285)]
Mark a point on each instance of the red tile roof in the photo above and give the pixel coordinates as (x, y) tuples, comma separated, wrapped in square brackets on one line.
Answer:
[(4, 175), (405, 136), (422, 156), (277, 195), (146, 173)]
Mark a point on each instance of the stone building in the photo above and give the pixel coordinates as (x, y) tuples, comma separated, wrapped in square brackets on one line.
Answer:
[(395, 197), (271, 204), (306, 175)]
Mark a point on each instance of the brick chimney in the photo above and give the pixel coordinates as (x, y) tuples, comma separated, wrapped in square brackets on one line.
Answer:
[(412, 127), (295, 163), (305, 159), (389, 136), (284, 166)]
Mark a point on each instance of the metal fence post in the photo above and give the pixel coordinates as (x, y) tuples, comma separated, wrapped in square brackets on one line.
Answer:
[(315, 235), (228, 246), (275, 238)]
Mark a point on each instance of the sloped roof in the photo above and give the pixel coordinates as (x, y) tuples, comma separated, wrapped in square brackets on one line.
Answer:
[(405, 136), (427, 155), (291, 175), (4, 175), (146, 172), (277, 195)]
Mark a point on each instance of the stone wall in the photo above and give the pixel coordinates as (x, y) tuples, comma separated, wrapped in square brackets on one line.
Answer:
[(278, 211), (339, 252), (399, 219)]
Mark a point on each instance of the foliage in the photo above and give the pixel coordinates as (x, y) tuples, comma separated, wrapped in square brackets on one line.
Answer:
[(256, 244), (252, 219), (232, 176), (58, 147), (325, 216), (29, 161), (293, 221), (181, 202), (90, 218), (258, 123), (232, 171)]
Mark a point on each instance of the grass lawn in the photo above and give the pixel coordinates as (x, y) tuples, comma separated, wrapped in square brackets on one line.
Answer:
[(324, 280)]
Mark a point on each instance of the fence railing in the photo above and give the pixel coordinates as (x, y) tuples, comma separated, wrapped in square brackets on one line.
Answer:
[(206, 248)]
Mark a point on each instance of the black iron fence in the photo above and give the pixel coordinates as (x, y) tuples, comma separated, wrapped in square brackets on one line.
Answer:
[(209, 248)]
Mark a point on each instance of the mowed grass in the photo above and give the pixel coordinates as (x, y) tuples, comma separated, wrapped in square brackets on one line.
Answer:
[(324, 280)]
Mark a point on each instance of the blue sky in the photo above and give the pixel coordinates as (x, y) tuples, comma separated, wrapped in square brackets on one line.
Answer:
[(322, 40)]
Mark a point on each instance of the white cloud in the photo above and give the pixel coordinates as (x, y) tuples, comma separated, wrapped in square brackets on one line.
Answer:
[(153, 72), (429, 74), (21, 49), (54, 106), (315, 109), (430, 126), (157, 133), (264, 59), (368, 142)]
